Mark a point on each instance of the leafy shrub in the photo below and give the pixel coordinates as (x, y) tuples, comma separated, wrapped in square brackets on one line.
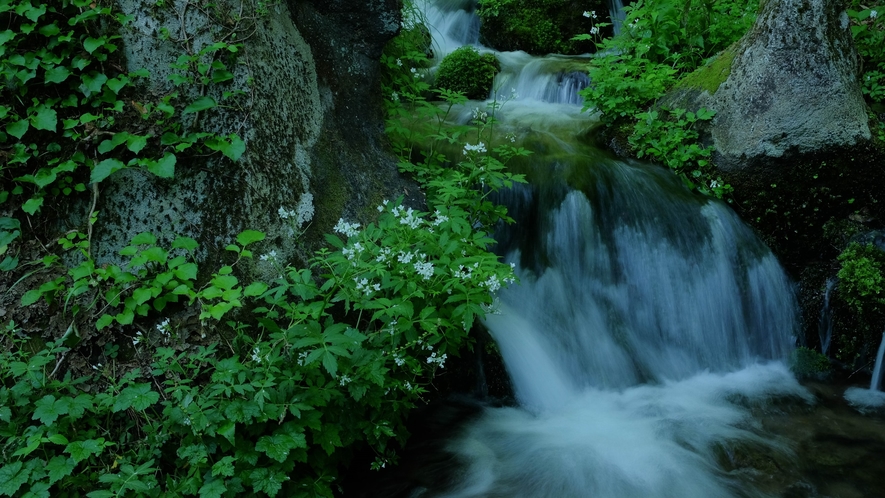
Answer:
[(538, 26), (805, 362), (868, 31), (466, 71)]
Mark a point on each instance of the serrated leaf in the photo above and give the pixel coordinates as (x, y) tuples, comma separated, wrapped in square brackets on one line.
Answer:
[(139, 397), (267, 481), (330, 363), (201, 104), (213, 488), (81, 450), (105, 169), (247, 237), (59, 467), (165, 167), (12, 476), (101, 493), (224, 467), (278, 446), (47, 410)]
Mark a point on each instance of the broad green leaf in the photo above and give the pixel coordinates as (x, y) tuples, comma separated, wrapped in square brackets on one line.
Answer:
[(187, 271), (92, 83), (32, 205), (144, 238), (18, 128), (12, 476), (111, 143), (233, 146), (213, 487), (224, 467), (47, 410), (255, 289), (57, 74), (201, 104), (59, 467), (105, 169), (247, 237), (92, 44), (136, 143), (81, 450), (31, 297), (139, 397), (165, 167), (104, 321), (278, 446), (267, 481), (125, 317)]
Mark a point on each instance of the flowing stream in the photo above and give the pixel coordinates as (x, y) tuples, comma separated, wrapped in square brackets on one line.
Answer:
[(646, 343)]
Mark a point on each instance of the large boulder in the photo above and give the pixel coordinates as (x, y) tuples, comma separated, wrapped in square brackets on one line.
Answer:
[(306, 103)]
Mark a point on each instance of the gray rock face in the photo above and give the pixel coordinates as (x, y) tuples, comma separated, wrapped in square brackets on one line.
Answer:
[(307, 109), (793, 86)]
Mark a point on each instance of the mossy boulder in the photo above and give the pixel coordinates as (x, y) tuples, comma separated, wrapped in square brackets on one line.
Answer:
[(467, 71), (541, 26)]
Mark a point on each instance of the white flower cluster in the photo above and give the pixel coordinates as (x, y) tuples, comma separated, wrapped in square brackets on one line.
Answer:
[(591, 14), (406, 217), (256, 355), (382, 206), (302, 213), (137, 339), (391, 327), (464, 273), (352, 251), (480, 148), (873, 14), (271, 256), (439, 360), (164, 328), (302, 356), (594, 30), (439, 218), (424, 268), (344, 380), (492, 283), (480, 115), (346, 229), (399, 360), (363, 285)]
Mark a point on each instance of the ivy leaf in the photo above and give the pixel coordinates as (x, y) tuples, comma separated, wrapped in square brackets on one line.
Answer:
[(104, 169), (165, 167), (233, 146), (18, 128), (201, 104), (103, 322), (32, 205), (247, 237), (12, 476), (136, 142), (92, 44), (45, 119), (56, 74), (139, 397), (92, 83), (59, 467)]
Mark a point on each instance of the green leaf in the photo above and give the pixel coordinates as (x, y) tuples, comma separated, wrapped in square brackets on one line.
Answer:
[(32, 205), (201, 104), (187, 271), (103, 322), (125, 317), (12, 476), (139, 397), (144, 238), (92, 44), (278, 446), (45, 118), (47, 410), (81, 450), (233, 146), (110, 144), (213, 488), (31, 297), (247, 237), (105, 169), (92, 83), (101, 493), (59, 467), (255, 289), (224, 467), (57, 74), (165, 167), (267, 481), (18, 128), (136, 142)]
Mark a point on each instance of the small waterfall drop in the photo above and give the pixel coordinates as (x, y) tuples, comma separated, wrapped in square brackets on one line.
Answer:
[(876, 380), (616, 11), (825, 325), (872, 399)]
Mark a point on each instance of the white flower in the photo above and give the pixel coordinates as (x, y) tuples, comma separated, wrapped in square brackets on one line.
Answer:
[(399, 63), (405, 257), (480, 147), (394, 96), (441, 360), (425, 269), (714, 184), (256, 355), (414, 70), (594, 30), (440, 218), (399, 360), (163, 327), (347, 229), (137, 338), (873, 14), (586, 13), (492, 283), (271, 256), (344, 380)]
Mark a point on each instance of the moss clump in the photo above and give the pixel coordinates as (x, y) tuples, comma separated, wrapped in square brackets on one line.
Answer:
[(805, 363), (712, 74), (468, 72), (861, 278), (540, 26)]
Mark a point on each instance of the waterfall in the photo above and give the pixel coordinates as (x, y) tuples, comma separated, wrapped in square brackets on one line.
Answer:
[(616, 11), (825, 325), (876, 380), (647, 320)]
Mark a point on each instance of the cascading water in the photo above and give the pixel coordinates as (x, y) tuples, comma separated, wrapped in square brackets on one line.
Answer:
[(647, 324)]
